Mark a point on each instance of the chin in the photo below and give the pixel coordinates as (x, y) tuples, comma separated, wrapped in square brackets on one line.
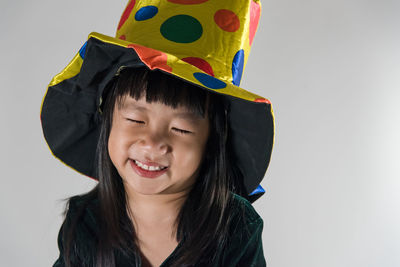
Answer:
[(145, 187)]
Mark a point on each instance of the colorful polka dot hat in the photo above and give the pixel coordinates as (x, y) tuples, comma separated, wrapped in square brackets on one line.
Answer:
[(204, 42)]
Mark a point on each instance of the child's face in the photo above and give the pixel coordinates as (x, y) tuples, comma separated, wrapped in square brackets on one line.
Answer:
[(151, 133)]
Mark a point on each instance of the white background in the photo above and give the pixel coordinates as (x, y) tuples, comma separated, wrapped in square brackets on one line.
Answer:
[(331, 70)]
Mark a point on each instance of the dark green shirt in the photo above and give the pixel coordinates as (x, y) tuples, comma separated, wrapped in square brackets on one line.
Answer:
[(245, 249)]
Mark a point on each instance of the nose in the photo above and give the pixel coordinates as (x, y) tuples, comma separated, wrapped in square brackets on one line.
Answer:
[(154, 143)]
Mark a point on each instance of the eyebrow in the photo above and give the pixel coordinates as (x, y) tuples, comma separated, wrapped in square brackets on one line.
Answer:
[(183, 115)]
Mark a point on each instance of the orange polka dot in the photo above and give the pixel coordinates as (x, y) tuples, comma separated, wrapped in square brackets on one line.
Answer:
[(187, 2), (153, 59), (227, 20), (122, 37), (255, 12), (200, 63), (126, 13), (262, 100)]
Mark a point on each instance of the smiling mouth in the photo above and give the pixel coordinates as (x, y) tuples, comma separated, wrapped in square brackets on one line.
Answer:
[(146, 167), (152, 171)]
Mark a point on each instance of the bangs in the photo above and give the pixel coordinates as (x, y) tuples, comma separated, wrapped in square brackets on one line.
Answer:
[(160, 87)]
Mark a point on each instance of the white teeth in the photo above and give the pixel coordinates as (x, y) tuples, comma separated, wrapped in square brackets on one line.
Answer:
[(144, 166), (148, 168)]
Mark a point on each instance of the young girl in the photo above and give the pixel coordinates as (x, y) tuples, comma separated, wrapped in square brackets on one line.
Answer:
[(177, 152)]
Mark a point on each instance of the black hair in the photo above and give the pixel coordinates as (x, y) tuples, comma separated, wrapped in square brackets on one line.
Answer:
[(205, 218)]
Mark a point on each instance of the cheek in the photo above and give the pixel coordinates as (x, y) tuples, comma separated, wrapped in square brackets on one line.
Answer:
[(117, 147), (188, 156), (112, 147)]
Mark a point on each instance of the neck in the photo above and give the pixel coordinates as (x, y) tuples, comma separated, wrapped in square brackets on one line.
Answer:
[(156, 209)]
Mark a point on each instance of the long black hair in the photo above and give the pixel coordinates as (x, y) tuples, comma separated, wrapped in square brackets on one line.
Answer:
[(205, 218)]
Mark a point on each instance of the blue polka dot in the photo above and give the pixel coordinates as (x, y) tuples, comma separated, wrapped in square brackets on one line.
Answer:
[(209, 81), (258, 190), (146, 12), (82, 51), (237, 67)]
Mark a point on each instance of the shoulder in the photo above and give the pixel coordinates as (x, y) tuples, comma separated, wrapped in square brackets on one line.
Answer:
[(245, 220), (245, 209), (81, 217), (87, 203), (78, 234), (246, 223), (245, 240)]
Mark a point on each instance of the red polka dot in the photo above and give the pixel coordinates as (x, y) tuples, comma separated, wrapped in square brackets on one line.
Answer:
[(126, 13), (200, 63), (151, 57), (227, 20), (255, 12), (262, 100), (122, 37), (187, 2)]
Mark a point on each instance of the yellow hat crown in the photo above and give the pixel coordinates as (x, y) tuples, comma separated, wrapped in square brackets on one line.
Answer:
[(213, 35)]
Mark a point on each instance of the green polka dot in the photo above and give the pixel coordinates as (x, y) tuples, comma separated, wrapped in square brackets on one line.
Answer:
[(181, 29)]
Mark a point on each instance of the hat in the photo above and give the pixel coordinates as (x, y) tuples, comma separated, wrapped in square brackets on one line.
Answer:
[(203, 42)]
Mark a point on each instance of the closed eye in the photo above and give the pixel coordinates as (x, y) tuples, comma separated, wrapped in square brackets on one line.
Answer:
[(182, 131), (135, 121)]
